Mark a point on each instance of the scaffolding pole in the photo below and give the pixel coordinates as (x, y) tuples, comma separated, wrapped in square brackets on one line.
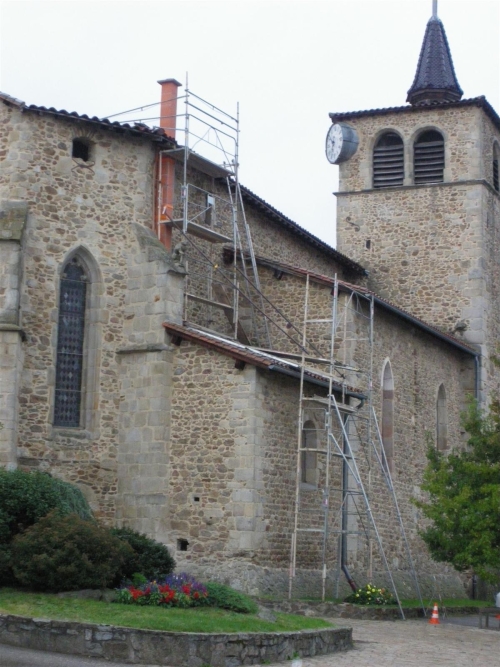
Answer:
[(350, 437)]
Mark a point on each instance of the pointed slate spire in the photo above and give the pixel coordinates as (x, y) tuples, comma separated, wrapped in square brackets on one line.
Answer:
[(435, 80)]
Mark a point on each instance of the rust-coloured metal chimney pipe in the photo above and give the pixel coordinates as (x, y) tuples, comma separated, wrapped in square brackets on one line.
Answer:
[(166, 165), (168, 106)]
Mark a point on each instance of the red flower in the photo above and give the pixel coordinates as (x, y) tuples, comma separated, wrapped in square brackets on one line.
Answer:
[(135, 593)]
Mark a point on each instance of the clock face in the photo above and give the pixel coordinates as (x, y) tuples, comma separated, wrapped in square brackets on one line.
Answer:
[(334, 141)]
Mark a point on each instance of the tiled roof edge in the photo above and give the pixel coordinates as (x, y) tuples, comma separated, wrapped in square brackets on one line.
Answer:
[(480, 102), (384, 303), (138, 129), (158, 134), (297, 229), (258, 358)]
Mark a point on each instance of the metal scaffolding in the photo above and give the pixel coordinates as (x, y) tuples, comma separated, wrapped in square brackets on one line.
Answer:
[(210, 212), (341, 463), (341, 460)]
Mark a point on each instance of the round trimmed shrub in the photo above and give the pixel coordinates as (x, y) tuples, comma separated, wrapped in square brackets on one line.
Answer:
[(149, 557), (26, 497), (65, 553)]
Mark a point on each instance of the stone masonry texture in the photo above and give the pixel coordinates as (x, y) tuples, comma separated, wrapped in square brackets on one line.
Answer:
[(176, 439)]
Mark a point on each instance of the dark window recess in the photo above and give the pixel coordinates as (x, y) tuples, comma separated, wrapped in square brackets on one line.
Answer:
[(496, 184), (368, 244), (182, 545), (428, 158), (70, 333), (388, 161), (81, 149)]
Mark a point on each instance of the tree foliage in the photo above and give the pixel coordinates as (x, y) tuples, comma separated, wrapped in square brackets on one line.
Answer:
[(464, 497)]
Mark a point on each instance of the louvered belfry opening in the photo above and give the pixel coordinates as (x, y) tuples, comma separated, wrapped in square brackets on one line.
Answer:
[(70, 338), (388, 161), (428, 158)]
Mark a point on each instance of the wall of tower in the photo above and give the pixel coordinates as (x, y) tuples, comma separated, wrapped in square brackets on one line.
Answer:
[(431, 249)]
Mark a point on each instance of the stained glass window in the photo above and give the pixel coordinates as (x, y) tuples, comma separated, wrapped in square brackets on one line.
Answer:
[(70, 337)]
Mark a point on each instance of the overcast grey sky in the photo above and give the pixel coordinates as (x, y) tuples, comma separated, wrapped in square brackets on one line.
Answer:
[(288, 64)]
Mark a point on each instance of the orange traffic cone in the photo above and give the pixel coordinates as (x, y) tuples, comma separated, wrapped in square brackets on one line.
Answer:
[(434, 619)]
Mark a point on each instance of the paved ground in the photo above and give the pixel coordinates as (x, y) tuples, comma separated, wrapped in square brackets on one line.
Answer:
[(20, 657), (417, 644), (456, 642)]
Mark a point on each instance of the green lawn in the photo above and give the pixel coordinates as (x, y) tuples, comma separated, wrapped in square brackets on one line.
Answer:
[(41, 605), (448, 603)]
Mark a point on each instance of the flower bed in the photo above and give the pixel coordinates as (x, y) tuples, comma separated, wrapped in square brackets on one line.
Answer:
[(371, 595), (176, 590)]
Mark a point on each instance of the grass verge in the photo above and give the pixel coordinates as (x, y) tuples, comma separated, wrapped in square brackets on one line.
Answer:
[(411, 604), (198, 619), (446, 602)]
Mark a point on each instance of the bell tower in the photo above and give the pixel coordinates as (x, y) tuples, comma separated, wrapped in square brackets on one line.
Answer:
[(419, 201)]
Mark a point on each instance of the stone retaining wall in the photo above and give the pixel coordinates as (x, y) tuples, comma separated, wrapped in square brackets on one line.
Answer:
[(184, 649), (345, 610)]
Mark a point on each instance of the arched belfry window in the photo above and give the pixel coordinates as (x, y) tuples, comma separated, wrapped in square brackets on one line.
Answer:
[(308, 458), (441, 420), (70, 344), (428, 157), (496, 159), (388, 161), (387, 425)]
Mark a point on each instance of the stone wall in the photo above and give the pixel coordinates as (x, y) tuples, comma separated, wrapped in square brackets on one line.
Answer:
[(420, 365), (234, 460), (215, 458), (11, 358), (100, 210), (272, 238), (12, 223), (432, 249), (182, 649)]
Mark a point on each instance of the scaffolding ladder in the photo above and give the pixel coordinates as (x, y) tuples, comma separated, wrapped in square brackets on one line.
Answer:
[(336, 504)]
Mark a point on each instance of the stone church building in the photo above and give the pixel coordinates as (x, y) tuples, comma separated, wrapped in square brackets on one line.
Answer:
[(175, 414)]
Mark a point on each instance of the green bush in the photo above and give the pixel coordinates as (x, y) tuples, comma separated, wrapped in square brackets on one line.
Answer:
[(225, 597), (26, 497), (64, 553), (148, 557)]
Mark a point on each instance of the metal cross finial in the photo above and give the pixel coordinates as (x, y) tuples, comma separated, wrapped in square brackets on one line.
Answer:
[(434, 8)]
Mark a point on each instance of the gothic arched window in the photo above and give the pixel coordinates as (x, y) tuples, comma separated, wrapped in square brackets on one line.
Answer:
[(387, 430), (388, 161), (428, 158), (308, 458), (70, 342), (441, 420)]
